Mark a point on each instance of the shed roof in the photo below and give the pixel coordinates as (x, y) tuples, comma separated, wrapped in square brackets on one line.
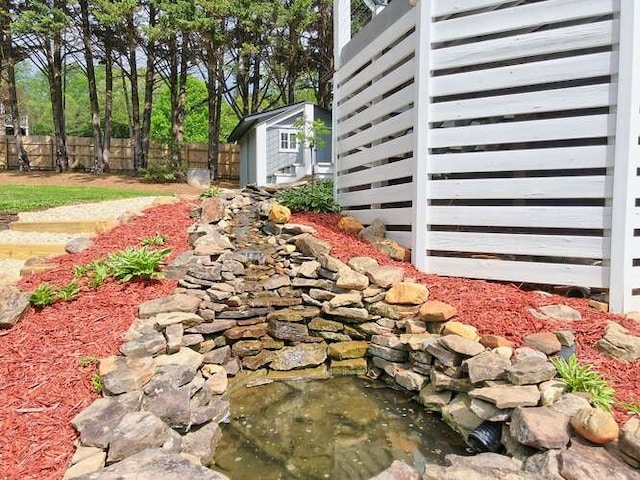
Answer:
[(248, 121)]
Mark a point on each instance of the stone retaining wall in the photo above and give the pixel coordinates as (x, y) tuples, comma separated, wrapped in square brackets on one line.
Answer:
[(268, 298)]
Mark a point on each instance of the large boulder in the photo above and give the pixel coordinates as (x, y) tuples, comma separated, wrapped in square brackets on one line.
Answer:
[(619, 343), (540, 427), (595, 425)]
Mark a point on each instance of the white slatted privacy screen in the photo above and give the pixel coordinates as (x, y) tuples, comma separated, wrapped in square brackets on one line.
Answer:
[(498, 139)]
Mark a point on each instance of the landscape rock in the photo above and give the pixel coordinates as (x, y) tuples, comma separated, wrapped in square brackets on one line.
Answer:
[(458, 415), (171, 405), (407, 293), (629, 440), (394, 312), (462, 345), (560, 312), (442, 381), (390, 354), (179, 302), (185, 356), (457, 328), (122, 374), (279, 214), (202, 443), (77, 245), (483, 460), (496, 341), (434, 399), (540, 427), (13, 305), (570, 404), (346, 350), (312, 246), (386, 276), (136, 432), (294, 332), (95, 424), (174, 334), (595, 425), (619, 343), (147, 345), (546, 464), (546, 342), (186, 319), (350, 224), (349, 279), (212, 210), (348, 314), (409, 379), (393, 250), (363, 264), (508, 396), (530, 371), (398, 471), (155, 464), (487, 366), (488, 411), (436, 311), (582, 461), (309, 269), (373, 232), (299, 356)]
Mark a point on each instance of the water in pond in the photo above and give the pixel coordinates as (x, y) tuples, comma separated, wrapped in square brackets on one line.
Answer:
[(344, 428)]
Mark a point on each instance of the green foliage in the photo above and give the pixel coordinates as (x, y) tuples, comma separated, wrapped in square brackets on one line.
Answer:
[(313, 197), (163, 172), (139, 263), (68, 292), (43, 296), (582, 378), (97, 273), (211, 192), (97, 384), (311, 134), (88, 361), (80, 271), (631, 407), (22, 198), (156, 240)]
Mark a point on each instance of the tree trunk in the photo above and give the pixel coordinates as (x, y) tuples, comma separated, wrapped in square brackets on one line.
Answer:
[(108, 104), (149, 78), (136, 134), (174, 92), (98, 165), (9, 55), (324, 61), (178, 140), (54, 67), (214, 91)]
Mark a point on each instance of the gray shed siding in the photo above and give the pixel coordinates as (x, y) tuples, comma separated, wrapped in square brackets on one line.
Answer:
[(275, 158)]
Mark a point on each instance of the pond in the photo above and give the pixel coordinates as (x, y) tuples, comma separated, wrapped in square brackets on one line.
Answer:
[(345, 428)]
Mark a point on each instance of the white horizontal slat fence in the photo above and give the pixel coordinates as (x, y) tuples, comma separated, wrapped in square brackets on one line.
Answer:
[(498, 139)]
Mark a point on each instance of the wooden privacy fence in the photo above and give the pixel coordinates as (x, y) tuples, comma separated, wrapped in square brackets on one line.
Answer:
[(80, 150), (497, 139)]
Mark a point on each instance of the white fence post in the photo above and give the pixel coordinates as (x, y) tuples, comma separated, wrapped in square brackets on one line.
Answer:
[(341, 36), (422, 80), (627, 160)]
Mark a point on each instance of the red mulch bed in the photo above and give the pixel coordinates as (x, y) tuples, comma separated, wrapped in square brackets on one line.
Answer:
[(42, 386)]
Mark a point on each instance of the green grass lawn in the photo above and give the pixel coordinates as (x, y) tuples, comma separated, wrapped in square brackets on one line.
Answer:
[(22, 198)]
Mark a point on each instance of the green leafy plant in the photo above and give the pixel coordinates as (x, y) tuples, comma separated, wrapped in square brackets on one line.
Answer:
[(314, 197), (133, 263), (157, 239), (98, 273), (97, 384), (43, 296), (68, 292), (211, 192), (631, 407), (88, 361), (583, 378), (80, 271)]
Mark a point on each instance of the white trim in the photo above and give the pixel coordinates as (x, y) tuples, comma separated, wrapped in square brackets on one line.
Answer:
[(261, 154), (626, 151), (291, 134), (421, 109)]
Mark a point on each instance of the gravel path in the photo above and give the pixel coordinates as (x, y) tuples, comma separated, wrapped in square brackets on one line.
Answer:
[(110, 210)]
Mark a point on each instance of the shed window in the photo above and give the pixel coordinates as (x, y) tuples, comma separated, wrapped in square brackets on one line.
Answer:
[(288, 141)]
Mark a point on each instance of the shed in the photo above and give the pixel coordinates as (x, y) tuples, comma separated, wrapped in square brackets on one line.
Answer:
[(497, 139), (272, 153)]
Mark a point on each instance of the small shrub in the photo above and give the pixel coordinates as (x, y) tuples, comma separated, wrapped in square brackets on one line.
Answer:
[(582, 378), (133, 263), (80, 271), (163, 172), (88, 361), (68, 292), (156, 240), (43, 296), (97, 384), (211, 192), (313, 197)]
